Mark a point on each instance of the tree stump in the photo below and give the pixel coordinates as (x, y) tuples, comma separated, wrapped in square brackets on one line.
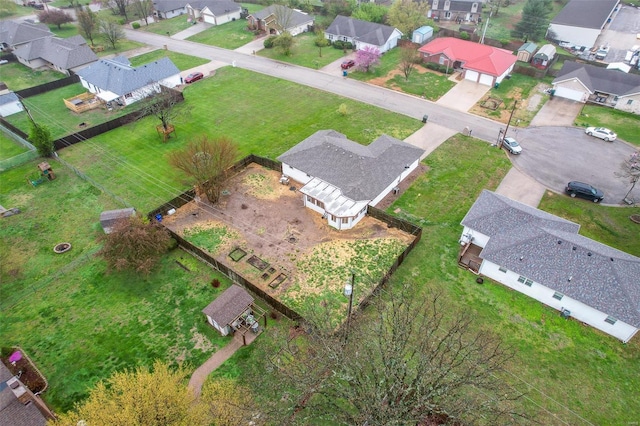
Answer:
[(165, 133)]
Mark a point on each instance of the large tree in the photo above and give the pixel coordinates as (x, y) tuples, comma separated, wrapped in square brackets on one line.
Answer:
[(630, 171), (111, 31), (367, 58), (409, 57), (135, 243), (408, 15), (55, 17), (534, 22), (144, 9), (163, 106), (412, 360), (206, 161), (284, 43), (88, 23), (370, 12), (40, 137), (118, 6)]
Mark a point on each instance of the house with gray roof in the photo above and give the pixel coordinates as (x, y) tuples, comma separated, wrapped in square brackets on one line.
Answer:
[(167, 9), (543, 256), (607, 87), (64, 55), (455, 10), (116, 80), (14, 34), (214, 12), (277, 19), (363, 33), (580, 22), (18, 405), (340, 178)]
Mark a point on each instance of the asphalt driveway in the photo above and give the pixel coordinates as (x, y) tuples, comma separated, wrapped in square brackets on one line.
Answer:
[(557, 155)]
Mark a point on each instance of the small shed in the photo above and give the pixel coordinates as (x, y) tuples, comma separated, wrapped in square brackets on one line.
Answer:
[(526, 51), (229, 310), (543, 58), (109, 218), (422, 34)]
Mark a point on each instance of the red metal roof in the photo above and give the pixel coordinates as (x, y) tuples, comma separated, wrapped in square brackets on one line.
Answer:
[(474, 56)]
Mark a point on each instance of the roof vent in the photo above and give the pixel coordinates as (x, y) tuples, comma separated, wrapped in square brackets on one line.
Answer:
[(570, 278), (521, 257), (611, 259), (589, 254), (559, 242), (574, 248)]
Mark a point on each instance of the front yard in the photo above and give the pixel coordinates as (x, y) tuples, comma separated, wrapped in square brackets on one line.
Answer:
[(228, 36), (305, 53), (625, 124), (182, 61)]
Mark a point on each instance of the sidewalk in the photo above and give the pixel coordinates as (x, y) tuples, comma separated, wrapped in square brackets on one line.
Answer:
[(429, 137)]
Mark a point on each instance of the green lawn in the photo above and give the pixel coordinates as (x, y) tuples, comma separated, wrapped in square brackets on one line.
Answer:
[(625, 124), (223, 105), (182, 61), (228, 36), (65, 31), (9, 148), (305, 53), (171, 26), (389, 61), (17, 76), (427, 84), (121, 47), (49, 109)]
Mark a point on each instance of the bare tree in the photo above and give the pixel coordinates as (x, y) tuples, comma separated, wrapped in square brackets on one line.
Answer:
[(207, 160), (163, 106), (412, 361), (409, 56), (55, 17), (283, 17), (117, 6), (88, 22), (144, 8), (630, 169), (111, 31)]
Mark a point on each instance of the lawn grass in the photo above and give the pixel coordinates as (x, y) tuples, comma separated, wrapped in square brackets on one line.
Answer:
[(121, 47), (182, 61), (305, 53), (9, 148), (65, 30), (17, 76), (228, 36), (171, 26), (389, 61), (625, 124), (50, 110), (223, 106), (429, 85)]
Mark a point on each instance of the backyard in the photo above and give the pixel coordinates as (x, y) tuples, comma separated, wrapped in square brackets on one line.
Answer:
[(9, 148), (17, 76)]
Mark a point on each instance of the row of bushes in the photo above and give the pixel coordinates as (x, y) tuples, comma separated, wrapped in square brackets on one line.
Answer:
[(342, 45), (440, 68)]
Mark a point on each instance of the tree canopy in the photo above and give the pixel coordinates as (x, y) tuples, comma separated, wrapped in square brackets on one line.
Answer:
[(88, 23), (535, 20), (367, 58), (55, 17), (408, 15), (40, 137)]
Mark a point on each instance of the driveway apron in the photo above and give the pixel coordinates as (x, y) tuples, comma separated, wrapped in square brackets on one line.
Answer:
[(557, 112), (463, 95)]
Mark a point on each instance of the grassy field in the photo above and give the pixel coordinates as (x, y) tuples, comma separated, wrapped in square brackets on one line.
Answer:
[(171, 26), (121, 47), (50, 110), (223, 106), (65, 31), (17, 76), (9, 148), (625, 124), (429, 85), (305, 53), (228, 36), (182, 61)]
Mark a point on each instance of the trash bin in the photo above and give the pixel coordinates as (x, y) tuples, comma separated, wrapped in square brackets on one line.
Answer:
[(425, 118), (344, 73), (496, 85)]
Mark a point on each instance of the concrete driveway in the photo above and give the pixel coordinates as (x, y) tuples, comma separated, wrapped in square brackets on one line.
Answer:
[(556, 155), (192, 30), (334, 67), (463, 95), (253, 46), (557, 112)]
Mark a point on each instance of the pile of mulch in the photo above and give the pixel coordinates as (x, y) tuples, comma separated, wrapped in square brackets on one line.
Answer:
[(30, 377)]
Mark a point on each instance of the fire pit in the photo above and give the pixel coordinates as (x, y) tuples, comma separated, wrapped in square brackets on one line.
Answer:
[(62, 247), (635, 218)]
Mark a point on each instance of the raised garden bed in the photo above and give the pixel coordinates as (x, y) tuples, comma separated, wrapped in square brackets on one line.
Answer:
[(277, 281), (257, 263), (237, 254), (491, 103)]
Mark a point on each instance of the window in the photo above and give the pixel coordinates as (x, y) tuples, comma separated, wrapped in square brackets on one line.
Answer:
[(331, 37), (435, 5), (524, 280), (128, 95), (611, 320), (345, 220), (558, 296), (630, 101), (320, 204), (502, 269), (309, 199)]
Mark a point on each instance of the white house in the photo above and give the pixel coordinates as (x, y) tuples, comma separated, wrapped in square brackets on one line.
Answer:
[(544, 257), (229, 310), (116, 80), (9, 104), (277, 18), (341, 178), (580, 22), (608, 87), (167, 9), (363, 33), (215, 12)]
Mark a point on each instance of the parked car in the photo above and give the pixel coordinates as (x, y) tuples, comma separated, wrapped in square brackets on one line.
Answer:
[(512, 145), (347, 64), (194, 76), (584, 190), (38, 6), (602, 133)]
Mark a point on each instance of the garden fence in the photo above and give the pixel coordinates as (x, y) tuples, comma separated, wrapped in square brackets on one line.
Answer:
[(13, 128), (47, 87), (19, 159)]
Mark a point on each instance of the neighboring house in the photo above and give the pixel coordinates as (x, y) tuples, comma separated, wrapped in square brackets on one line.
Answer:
[(116, 80), (580, 22), (542, 59), (455, 10), (63, 55), (526, 51), (14, 34), (608, 87), (363, 33), (215, 12), (18, 405), (167, 9), (422, 35), (9, 104), (543, 256), (233, 310), (480, 63), (341, 178), (109, 218), (277, 19)]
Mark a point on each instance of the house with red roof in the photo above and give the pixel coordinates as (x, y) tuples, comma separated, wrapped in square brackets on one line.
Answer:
[(478, 62)]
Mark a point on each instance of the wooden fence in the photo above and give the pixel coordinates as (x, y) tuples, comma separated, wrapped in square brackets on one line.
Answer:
[(47, 87)]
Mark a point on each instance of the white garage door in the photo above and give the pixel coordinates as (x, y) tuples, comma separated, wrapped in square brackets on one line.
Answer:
[(471, 75), (486, 79), (209, 19), (574, 95)]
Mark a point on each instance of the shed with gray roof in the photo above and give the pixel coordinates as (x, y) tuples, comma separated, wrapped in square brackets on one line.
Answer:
[(544, 257), (10, 104), (363, 33), (580, 22), (341, 177), (228, 308)]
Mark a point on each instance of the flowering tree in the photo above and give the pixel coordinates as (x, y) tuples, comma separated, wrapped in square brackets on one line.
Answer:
[(630, 169), (367, 58)]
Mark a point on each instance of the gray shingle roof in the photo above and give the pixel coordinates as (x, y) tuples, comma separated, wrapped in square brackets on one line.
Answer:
[(361, 172), (119, 78), (366, 32), (169, 5), (8, 98), (600, 79), (294, 17), (231, 303), (585, 13), (217, 7), (64, 53), (459, 5), (12, 411), (15, 33), (548, 250)]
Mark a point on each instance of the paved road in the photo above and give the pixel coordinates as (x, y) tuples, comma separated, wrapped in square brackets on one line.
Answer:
[(384, 98)]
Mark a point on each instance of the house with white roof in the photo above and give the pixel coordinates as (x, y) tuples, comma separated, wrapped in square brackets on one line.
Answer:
[(340, 178), (580, 22), (543, 256), (363, 33), (116, 80)]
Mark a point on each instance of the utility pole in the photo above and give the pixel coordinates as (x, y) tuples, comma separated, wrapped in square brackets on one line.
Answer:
[(486, 25), (508, 123)]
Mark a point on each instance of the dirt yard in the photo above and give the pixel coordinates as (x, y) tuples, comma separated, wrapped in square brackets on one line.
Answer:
[(268, 221)]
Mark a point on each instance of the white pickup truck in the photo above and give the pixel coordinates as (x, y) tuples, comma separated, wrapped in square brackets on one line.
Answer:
[(602, 52)]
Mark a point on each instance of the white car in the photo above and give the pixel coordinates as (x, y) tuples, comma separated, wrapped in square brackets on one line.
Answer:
[(602, 133), (512, 145)]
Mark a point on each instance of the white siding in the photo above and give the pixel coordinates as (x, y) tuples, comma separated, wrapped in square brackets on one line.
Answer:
[(295, 174), (624, 105), (504, 74), (575, 35), (479, 239), (395, 183)]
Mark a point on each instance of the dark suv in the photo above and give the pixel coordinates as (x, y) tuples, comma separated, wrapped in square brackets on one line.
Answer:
[(584, 190)]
